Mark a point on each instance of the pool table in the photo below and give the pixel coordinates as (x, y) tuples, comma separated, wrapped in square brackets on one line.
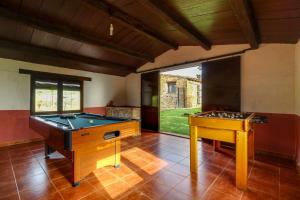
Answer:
[(89, 141)]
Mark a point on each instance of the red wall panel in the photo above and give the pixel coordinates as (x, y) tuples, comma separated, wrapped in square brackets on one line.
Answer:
[(14, 125), (278, 136)]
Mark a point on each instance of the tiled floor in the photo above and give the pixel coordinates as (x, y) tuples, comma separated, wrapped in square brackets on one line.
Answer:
[(153, 166)]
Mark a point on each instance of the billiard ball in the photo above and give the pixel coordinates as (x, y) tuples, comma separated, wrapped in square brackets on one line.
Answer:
[(91, 121)]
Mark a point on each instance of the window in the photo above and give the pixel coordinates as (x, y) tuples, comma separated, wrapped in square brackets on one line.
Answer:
[(55, 96), (45, 96), (71, 96), (171, 87)]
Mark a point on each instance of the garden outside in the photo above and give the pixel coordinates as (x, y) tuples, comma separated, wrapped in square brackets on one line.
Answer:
[(176, 120)]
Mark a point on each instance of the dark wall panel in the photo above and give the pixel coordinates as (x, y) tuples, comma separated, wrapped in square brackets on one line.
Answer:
[(149, 109), (221, 84)]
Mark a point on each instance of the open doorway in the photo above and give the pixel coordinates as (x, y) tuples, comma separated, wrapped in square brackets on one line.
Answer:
[(180, 96)]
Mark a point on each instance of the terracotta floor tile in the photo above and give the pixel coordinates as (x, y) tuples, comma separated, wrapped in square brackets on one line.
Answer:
[(212, 194), (74, 193), (134, 180), (172, 157), (136, 195), (180, 170), (168, 178), (22, 160), (263, 175), (6, 173), (257, 195), (176, 195), (205, 179), (8, 188), (154, 166), (5, 165), (121, 172), (103, 180), (263, 186), (289, 193), (154, 190), (61, 163), (191, 187), (28, 172), (41, 191), (14, 196), (62, 182), (226, 182), (4, 155), (20, 154), (98, 195), (117, 189), (60, 172), (29, 183), (210, 168)]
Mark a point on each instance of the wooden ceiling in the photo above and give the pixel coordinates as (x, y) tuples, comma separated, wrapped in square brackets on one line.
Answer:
[(75, 33)]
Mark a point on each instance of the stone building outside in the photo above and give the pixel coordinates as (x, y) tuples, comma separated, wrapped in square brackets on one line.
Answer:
[(179, 92)]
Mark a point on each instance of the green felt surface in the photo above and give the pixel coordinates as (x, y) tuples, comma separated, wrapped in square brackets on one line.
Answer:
[(82, 121)]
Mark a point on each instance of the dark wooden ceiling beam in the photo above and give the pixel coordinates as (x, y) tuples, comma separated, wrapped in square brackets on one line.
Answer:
[(40, 52), (68, 32), (243, 11), (131, 22), (170, 15)]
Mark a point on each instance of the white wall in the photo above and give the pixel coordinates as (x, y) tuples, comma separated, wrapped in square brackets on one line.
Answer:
[(15, 87), (190, 53), (268, 79), (297, 78), (133, 89), (267, 74), (297, 96)]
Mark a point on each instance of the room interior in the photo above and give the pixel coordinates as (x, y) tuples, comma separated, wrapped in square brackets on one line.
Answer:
[(113, 51)]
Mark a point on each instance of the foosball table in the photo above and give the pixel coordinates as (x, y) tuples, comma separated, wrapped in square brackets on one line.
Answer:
[(231, 127)]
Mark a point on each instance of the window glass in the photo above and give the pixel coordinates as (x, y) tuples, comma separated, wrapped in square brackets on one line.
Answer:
[(71, 97), (45, 96), (171, 87), (55, 96)]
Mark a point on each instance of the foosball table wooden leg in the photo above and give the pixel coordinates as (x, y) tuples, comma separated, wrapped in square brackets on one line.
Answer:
[(241, 160), (193, 149), (251, 145)]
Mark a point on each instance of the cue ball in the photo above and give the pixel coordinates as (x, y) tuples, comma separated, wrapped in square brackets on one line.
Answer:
[(91, 121)]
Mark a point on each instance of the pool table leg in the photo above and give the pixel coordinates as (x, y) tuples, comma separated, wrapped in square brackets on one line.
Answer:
[(118, 154), (75, 170), (241, 160), (47, 151), (75, 184)]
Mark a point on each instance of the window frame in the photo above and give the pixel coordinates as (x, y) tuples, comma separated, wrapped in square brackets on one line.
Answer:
[(59, 82), (173, 83)]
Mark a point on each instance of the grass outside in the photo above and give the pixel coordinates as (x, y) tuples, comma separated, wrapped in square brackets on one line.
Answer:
[(175, 120)]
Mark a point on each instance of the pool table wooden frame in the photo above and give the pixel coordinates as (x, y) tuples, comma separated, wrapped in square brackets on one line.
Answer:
[(235, 131), (89, 150)]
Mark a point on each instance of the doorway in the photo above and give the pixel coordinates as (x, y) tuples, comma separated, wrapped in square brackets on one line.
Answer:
[(180, 96)]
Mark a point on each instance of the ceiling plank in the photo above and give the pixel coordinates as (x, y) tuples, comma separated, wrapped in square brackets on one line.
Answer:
[(131, 22), (243, 11), (170, 15), (27, 50), (68, 32)]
